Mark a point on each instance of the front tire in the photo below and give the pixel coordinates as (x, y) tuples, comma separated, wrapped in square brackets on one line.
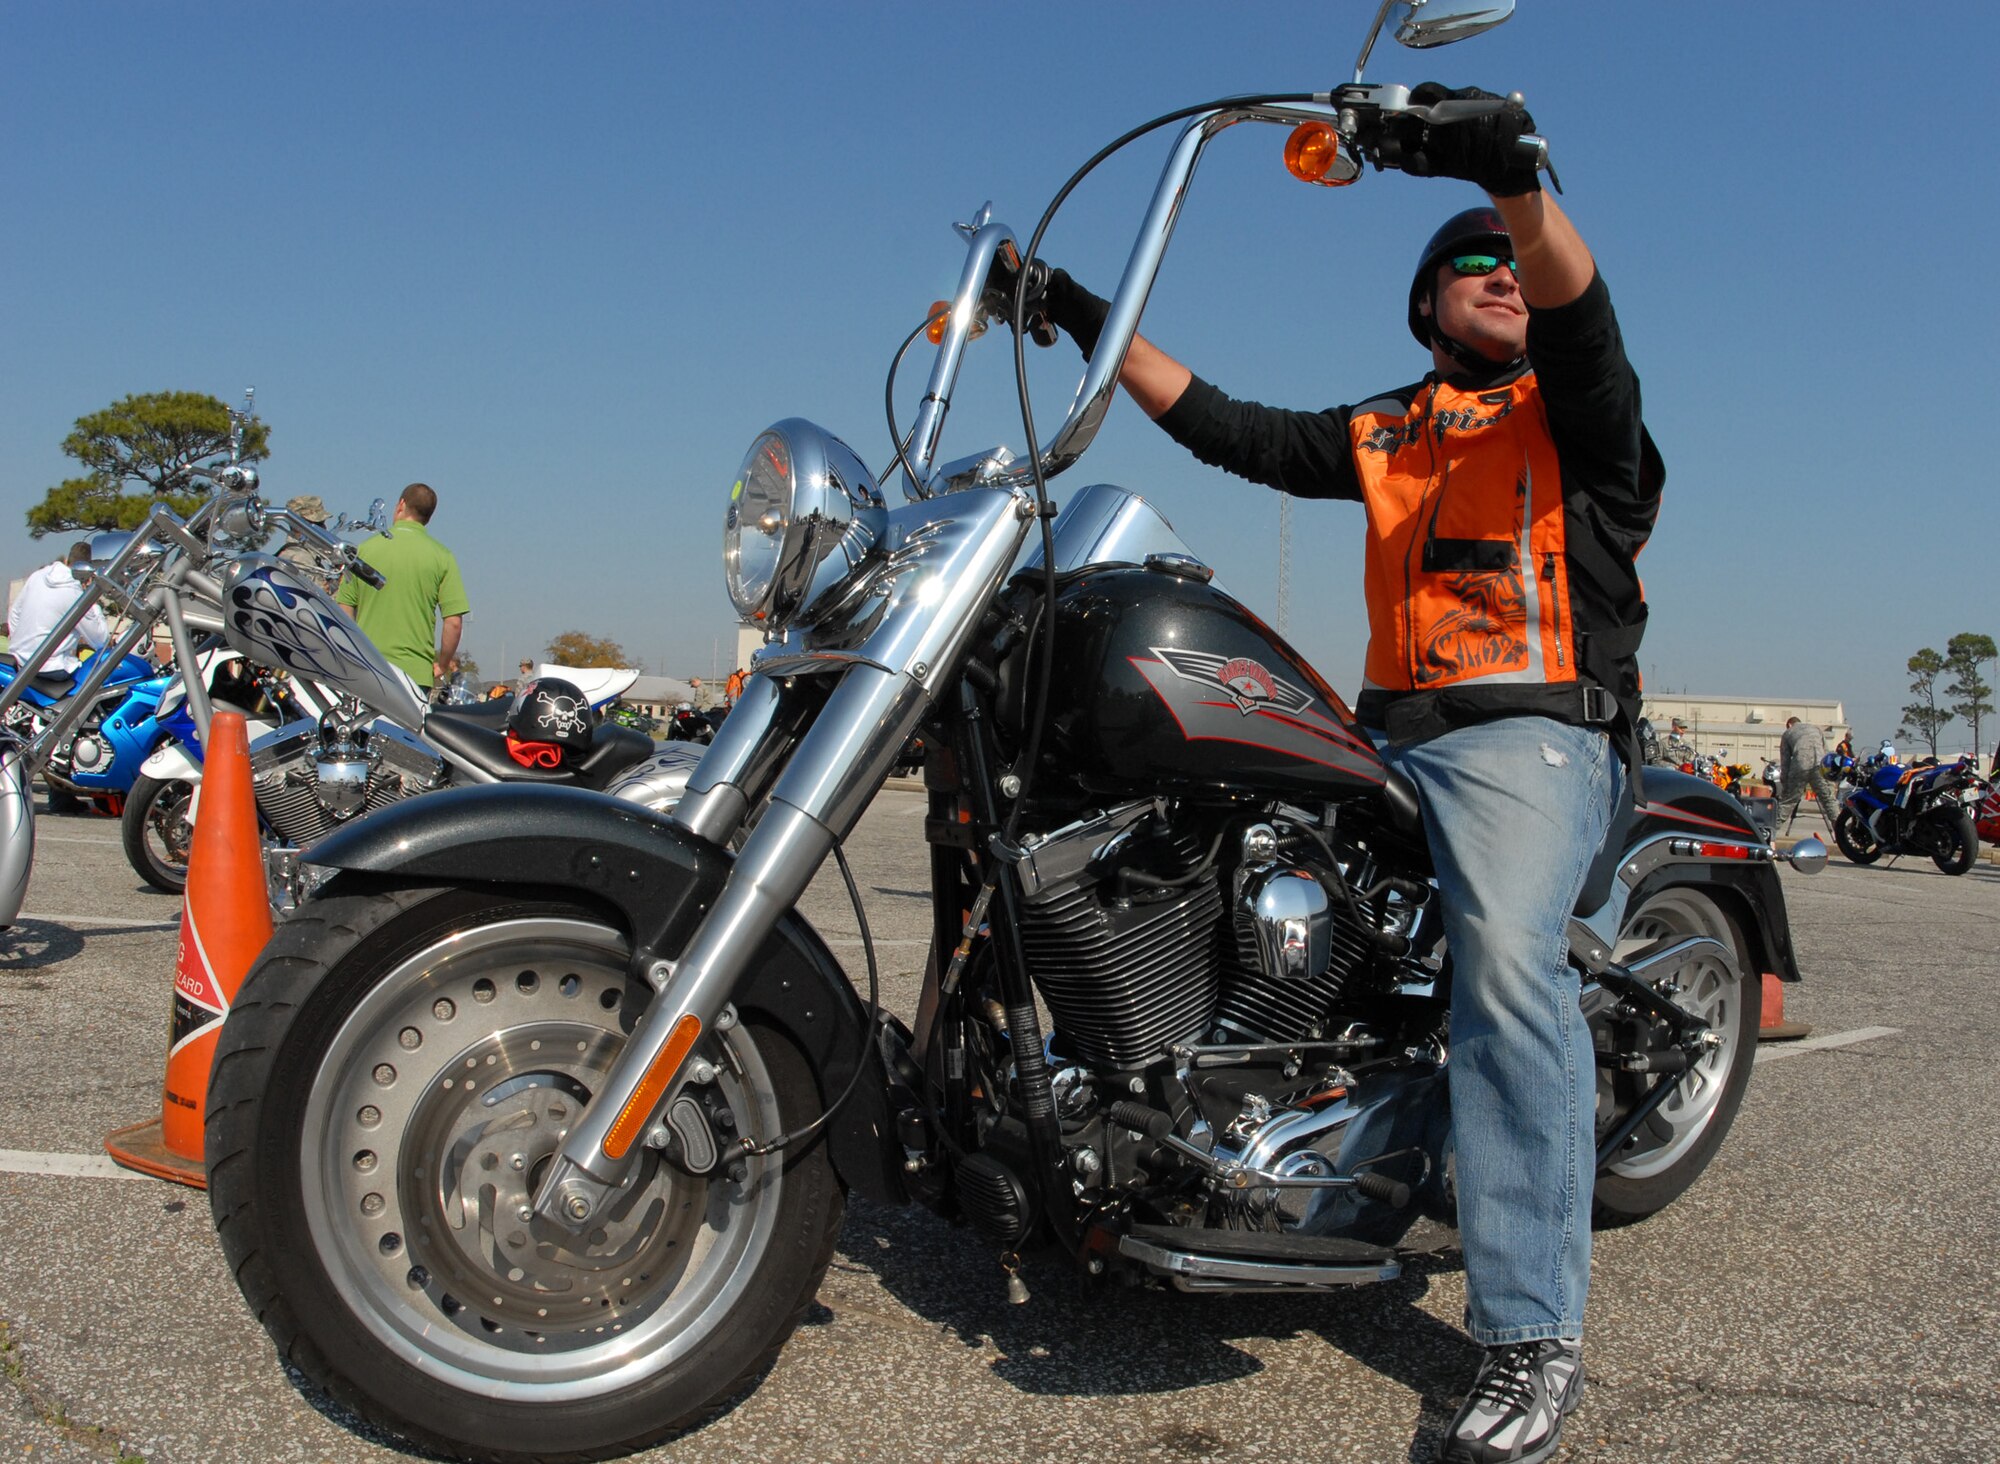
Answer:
[(1855, 841), (158, 831), (1957, 845), (394, 1077), (1669, 1151)]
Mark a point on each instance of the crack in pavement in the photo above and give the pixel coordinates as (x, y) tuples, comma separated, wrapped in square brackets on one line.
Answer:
[(42, 1405)]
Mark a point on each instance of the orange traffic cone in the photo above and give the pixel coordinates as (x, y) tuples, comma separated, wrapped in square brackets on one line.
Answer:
[(225, 922), (1771, 1023)]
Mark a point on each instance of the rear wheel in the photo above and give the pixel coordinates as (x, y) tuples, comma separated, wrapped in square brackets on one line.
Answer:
[(396, 1075), (158, 830), (1855, 841), (1675, 1144), (1954, 840)]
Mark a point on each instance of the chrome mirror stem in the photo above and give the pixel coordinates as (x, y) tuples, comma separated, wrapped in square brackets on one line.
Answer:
[(983, 245)]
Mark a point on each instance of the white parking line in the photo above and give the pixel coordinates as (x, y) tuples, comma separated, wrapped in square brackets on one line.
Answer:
[(1832, 1039), (75, 839), (99, 1166), (73, 1166), (134, 924)]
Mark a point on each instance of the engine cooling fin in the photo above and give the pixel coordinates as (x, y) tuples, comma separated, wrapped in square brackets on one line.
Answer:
[(1126, 981)]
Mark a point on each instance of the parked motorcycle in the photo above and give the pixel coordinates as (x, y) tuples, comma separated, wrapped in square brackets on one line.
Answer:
[(110, 735), (296, 804), (369, 739), (157, 825), (686, 724), (1986, 818), (529, 1132), (1926, 811)]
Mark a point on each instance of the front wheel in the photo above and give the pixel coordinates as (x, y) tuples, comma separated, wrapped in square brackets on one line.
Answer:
[(1855, 841), (158, 830), (1670, 1150), (1954, 840), (396, 1076)]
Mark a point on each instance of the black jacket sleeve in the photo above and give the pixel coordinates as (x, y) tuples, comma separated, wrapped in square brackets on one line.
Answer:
[(1306, 454), (1592, 397)]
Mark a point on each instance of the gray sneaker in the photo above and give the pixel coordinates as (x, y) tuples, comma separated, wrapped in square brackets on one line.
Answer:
[(1516, 1407)]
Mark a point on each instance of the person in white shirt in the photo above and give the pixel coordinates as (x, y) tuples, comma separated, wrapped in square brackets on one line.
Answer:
[(45, 597)]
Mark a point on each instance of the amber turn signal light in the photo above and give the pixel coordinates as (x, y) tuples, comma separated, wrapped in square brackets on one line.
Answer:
[(632, 1118), (1312, 152)]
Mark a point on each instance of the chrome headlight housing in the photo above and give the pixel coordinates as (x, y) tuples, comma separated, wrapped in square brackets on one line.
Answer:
[(803, 514)]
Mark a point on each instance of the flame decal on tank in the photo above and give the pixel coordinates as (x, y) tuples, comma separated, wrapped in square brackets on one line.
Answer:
[(1247, 683)]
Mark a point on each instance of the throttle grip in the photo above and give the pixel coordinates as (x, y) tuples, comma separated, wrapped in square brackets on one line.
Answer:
[(367, 573)]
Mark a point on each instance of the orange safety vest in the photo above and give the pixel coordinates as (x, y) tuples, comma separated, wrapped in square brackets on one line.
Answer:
[(1466, 577)]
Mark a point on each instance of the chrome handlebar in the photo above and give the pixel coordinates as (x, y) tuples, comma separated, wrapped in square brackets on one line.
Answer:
[(1357, 112)]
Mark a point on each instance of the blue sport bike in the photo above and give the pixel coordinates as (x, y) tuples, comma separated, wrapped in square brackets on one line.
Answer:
[(113, 736)]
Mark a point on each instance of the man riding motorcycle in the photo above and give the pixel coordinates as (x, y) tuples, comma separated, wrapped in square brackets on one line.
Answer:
[(1507, 495)]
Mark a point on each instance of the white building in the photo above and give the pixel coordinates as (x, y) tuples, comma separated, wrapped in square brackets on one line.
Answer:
[(1745, 728)]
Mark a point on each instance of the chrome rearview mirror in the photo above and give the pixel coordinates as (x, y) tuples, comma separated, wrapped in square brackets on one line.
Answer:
[(1808, 856), (1428, 23)]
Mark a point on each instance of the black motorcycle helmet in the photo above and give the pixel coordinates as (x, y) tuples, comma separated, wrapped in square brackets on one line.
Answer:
[(1475, 231), (552, 711)]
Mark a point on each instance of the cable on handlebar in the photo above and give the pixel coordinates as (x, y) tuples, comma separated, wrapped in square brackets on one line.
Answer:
[(1031, 753), (901, 443)]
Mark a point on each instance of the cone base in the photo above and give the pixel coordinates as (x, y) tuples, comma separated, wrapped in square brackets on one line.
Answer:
[(1771, 1023), (142, 1146)]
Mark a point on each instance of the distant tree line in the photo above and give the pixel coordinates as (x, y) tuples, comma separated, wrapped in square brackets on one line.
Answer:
[(1964, 692)]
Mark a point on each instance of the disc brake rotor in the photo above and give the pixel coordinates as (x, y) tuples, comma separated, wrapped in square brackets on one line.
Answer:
[(169, 821), (440, 1106)]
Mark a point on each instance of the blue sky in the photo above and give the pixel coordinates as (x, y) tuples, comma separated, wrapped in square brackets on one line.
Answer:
[(563, 263)]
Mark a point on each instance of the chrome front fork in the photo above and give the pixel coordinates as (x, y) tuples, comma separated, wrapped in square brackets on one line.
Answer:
[(949, 562), (17, 829), (873, 708)]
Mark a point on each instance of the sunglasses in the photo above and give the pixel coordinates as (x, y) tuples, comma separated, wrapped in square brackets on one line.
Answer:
[(1481, 264)]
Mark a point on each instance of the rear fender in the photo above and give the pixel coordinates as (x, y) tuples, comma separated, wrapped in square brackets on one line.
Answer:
[(661, 881), (1689, 832)]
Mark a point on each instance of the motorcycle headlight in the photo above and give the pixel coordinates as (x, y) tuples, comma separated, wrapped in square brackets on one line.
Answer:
[(803, 513)]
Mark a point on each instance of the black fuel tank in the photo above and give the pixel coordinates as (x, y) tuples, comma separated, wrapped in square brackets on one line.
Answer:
[(1164, 684)]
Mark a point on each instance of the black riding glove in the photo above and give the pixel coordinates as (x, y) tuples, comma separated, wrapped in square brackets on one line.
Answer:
[(997, 299), (1053, 299), (1075, 309), (1478, 149)]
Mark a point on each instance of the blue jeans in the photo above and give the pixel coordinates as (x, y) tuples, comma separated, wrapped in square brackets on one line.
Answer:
[(1515, 811)]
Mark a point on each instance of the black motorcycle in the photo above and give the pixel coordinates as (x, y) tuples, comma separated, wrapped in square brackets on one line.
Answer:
[(530, 1132)]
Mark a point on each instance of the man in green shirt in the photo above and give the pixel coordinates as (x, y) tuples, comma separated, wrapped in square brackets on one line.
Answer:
[(422, 583)]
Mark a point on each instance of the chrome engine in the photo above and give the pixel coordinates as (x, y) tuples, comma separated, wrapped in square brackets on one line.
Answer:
[(1233, 975), (312, 776)]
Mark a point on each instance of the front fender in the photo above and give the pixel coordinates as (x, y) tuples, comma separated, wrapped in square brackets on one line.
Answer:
[(662, 881), (172, 762)]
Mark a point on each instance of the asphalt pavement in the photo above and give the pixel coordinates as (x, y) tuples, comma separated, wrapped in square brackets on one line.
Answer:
[(1824, 1292)]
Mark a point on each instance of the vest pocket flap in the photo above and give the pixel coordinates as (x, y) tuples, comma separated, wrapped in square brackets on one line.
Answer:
[(1469, 556)]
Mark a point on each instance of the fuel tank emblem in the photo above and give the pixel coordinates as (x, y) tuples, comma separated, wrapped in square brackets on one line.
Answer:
[(1247, 683)]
